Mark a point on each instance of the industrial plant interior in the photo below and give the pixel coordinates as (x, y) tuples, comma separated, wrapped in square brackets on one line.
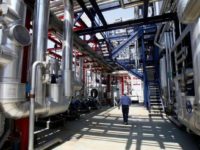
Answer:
[(65, 64)]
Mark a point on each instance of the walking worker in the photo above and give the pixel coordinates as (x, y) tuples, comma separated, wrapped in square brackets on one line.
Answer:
[(125, 102)]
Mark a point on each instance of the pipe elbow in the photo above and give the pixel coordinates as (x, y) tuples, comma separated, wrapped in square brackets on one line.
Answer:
[(20, 110), (15, 110), (159, 45)]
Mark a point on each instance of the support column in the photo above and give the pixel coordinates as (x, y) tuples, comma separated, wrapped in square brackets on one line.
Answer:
[(122, 85), (145, 79), (108, 93)]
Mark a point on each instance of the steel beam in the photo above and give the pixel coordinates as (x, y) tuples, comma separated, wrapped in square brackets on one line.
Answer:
[(130, 23), (82, 4), (133, 72), (127, 42), (98, 11), (146, 4)]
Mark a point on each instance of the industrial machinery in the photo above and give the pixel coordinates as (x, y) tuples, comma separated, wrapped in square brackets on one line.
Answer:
[(47, 96), (159, 46), (179, 66)]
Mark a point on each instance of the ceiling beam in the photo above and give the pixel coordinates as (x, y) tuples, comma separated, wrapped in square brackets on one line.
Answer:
[(98, 11), (130, 23), (146, 5)]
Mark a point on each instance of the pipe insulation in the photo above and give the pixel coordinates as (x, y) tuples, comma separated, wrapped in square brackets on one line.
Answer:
[(39, 46), (162, 11), (68, 47), (13, 36)]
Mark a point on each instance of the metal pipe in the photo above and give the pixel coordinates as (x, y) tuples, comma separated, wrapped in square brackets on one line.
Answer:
[(162, 10), (122, 3), (39, 46), (180, 38), (81, 70), (17, 110), (32, 104), (68, 47)]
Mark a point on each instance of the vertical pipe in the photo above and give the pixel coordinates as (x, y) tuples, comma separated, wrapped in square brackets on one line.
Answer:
[(81, 70), (32, 105), (68, 47), (167, 66), (39, 46)]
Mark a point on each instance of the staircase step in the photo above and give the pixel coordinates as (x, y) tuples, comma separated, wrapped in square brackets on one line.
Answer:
[(154, 108), (155, 102), (154, 94), (154, 97)]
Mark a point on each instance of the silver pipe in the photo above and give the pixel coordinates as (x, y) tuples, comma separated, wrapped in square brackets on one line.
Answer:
[(81, 70), (13, 36), (162, 10), (122, 3), (32, 104), (68, 47), (180, 38), (17, 110), (39, 46)]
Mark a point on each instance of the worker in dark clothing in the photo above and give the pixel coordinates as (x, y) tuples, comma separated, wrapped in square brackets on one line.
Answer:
[(125, 102)]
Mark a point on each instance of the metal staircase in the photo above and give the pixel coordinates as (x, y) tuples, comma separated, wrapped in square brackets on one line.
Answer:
[(155, 102)]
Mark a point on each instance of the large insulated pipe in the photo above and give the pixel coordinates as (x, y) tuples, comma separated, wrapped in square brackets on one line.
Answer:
[(39, 45), (68, 47)]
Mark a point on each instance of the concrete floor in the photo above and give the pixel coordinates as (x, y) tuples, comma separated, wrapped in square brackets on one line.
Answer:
[(104, 130)]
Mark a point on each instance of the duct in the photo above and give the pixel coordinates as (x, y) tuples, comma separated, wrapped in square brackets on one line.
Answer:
[(39, 46), (68, 47), (188, 10)]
